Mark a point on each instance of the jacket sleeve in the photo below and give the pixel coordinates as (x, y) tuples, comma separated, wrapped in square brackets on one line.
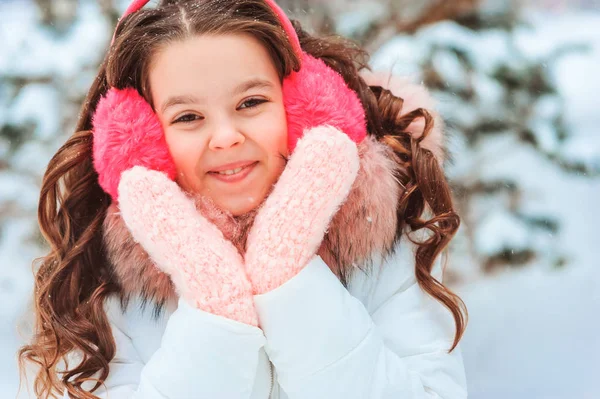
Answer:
[(200, 355), (325, 343)]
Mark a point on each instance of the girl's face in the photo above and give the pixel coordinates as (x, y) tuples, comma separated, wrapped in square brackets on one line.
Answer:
[(220, 103)]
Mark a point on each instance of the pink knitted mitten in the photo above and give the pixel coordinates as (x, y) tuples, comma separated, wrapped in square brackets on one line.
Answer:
[(206, 269), (290, 227)]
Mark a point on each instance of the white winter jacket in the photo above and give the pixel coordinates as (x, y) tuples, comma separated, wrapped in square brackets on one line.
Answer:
[(383, 337)]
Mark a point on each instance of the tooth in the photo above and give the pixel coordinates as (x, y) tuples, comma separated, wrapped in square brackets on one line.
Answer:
[(231, 171)]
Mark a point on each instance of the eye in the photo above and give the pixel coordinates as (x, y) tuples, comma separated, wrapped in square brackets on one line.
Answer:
[(187, 118), (252, 102)]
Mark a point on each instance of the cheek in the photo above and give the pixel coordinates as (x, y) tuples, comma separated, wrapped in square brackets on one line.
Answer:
[(175, 149), (269, 132), (283, 142), (275, 143), (279, 134), (278, 143), (186, 153)]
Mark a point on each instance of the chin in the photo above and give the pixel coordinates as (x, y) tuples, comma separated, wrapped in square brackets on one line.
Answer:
[(239, 208)]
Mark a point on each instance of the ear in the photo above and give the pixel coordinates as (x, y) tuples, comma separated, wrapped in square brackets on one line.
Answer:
[(127, 133), (317, 95)]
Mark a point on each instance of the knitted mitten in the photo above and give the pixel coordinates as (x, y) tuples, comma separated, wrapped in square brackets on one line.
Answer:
[(206, 269), (290, 226)]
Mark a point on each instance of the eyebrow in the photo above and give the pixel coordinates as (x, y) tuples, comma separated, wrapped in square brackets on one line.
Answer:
[(256, 83), (178, 100)]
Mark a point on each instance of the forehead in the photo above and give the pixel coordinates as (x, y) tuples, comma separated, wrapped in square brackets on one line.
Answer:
[(211, 63)]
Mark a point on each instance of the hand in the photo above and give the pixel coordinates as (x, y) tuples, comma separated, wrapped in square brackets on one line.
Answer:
[(290, 227), (205, 268)]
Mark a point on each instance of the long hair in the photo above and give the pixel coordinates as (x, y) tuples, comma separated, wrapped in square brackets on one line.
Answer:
[(74, 279)]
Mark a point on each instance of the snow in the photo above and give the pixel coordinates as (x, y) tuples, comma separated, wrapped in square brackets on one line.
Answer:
[(402, 54), (584, 149), (500, 230), (37, 51), (489, 93), (16, 284), (452, 71), (31, 157), (576, 74), (484, 49), (26, 109), (534, 334), (355, 21), (17, 189)]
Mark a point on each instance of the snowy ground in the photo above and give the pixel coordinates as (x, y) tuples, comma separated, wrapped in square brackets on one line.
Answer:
[(533, 333)]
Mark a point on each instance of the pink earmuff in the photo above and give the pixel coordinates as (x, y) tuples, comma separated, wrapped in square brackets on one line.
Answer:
[(127, 133)]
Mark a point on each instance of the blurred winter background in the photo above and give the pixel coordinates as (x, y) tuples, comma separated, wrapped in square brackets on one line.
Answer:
[(518, 83)]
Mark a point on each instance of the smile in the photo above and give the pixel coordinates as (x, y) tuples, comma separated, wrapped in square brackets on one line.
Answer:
[(233, 173)]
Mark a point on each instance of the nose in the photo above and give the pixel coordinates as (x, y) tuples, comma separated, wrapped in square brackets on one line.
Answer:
[(225, 135)]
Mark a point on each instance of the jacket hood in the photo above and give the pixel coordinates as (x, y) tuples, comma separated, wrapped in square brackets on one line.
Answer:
[(364, 225)]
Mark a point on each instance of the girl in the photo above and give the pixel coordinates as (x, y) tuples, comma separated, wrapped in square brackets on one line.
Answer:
[(242, 214)]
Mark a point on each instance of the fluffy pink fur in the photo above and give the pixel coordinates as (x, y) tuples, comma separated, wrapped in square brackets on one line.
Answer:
[(205, 268), (127, 133), (317, 95), (366, 222), (234, 228), (290, 226), (135, 272), (414, 96)]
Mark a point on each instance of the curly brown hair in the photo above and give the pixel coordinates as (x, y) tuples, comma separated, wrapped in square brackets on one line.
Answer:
[(73, 280)]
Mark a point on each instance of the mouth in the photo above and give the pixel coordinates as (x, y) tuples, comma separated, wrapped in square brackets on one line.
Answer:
[(233, 172)]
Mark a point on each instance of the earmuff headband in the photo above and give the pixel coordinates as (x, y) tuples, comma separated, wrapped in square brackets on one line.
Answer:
[(128, 133)]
